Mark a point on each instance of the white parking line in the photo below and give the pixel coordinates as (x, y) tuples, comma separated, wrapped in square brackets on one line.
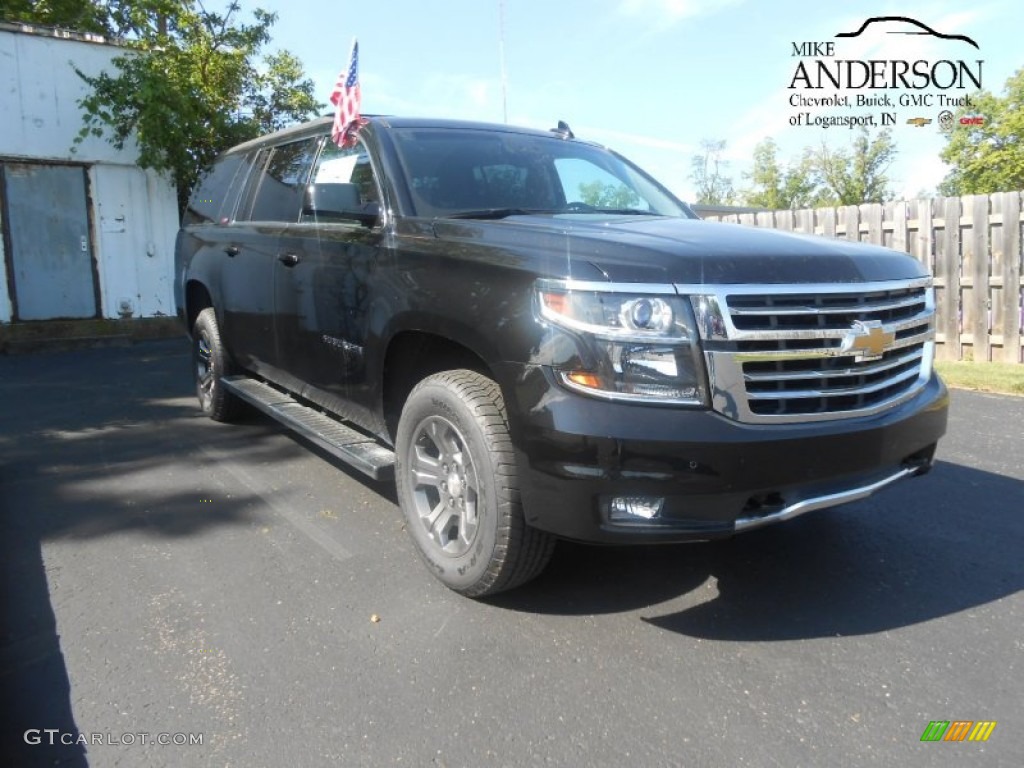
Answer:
[(258, 488)]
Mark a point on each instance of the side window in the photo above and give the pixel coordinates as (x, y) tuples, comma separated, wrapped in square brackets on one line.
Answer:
[(213, 199), (342, 184), (278, 191), (584, 182)]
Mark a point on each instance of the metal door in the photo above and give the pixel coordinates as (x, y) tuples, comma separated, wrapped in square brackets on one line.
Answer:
[(51, 255)]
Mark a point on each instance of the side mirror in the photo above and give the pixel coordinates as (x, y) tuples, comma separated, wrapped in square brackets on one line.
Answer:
[(336, 202)]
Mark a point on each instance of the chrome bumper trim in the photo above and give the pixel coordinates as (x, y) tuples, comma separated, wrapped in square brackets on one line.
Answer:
[(821, 502)]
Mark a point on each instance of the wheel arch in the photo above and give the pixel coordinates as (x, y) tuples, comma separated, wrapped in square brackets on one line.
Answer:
[(197, 298), (413, 355)]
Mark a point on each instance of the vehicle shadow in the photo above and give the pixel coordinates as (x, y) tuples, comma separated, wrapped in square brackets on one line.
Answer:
[(383, 488), (73, 423), (921, 550)]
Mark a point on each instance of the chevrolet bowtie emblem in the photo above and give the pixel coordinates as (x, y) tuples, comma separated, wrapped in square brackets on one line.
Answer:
[(868, 340)]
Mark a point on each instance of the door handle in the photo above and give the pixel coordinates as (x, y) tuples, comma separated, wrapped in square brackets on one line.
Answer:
[(232, 250), (288, 259)]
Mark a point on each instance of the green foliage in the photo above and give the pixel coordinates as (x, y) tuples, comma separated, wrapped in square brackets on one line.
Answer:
[(190, 86), (988, 158), (822, 177), (778, 188), (78, 15), (708, 173), (279, 94), (858, 174), (601, 195)]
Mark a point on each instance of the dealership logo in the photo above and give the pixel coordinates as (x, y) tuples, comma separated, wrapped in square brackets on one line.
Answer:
[(839, 90), (958, 730), (819, 66)]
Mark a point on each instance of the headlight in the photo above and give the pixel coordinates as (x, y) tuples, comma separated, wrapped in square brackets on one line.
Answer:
[(640, 347)]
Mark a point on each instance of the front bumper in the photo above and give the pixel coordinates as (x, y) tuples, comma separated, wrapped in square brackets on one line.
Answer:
[(716, 476)]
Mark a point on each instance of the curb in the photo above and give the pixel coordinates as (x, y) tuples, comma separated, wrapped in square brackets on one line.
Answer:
[(65, 335)]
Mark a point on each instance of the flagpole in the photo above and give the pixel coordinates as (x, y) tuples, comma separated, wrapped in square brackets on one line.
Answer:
[(501, 50)]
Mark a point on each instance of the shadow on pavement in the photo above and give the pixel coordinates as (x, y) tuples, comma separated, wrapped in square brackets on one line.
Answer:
[(921, 550), (72, 422), (926, 548), (36, 692)]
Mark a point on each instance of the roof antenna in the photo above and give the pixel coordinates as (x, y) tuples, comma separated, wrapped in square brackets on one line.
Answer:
[(564, 130)]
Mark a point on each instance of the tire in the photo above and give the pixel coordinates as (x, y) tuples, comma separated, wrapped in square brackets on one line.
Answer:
[(458, 486), (211, 362)]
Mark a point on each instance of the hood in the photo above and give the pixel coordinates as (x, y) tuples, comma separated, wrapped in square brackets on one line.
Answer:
[(647, 249)]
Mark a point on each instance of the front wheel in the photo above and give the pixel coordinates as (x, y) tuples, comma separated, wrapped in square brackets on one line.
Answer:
[(458, 486)]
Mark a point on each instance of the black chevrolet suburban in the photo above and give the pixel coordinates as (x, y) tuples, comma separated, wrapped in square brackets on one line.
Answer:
[(538, 340)]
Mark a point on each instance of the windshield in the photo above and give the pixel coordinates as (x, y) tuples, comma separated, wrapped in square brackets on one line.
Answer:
[(470, 173)]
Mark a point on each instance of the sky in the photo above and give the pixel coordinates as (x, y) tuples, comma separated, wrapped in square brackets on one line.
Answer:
[(651, 79)]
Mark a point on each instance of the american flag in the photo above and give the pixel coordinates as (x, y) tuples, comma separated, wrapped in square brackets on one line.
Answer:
[(346, 99)]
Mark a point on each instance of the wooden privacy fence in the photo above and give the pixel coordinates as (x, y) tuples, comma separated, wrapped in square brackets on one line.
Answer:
[(971, 245)]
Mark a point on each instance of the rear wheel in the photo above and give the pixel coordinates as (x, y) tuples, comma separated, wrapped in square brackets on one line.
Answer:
[(211, 363), (458, 486)]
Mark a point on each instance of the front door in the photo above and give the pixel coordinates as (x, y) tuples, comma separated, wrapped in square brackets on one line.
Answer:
[(51, 253), (322, 294)]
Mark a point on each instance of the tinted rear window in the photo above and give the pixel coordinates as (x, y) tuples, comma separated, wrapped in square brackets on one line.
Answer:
[(278, 196), (214, 197)]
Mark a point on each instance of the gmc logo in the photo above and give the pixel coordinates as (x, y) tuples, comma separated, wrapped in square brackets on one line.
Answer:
[(972, 120)]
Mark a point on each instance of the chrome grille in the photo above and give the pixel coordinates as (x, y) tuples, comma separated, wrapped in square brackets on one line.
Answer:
[(805, 310), (808, 353)]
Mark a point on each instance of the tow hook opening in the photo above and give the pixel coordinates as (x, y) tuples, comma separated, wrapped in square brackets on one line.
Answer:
[(921, 461), (763, 504)]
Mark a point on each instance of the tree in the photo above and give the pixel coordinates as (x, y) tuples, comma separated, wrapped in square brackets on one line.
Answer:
[(602, 195), (989, 157), (779, 188), (190, 86), (279, 94), (856, 175), (81, 16), (713, 187)]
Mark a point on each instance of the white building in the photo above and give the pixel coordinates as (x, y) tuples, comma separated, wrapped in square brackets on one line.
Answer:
[(86, 232)]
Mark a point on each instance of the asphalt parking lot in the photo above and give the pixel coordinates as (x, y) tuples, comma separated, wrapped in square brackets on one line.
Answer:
[(166, 576)]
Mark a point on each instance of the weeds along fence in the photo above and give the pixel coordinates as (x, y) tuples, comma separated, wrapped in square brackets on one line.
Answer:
[(972, 245)]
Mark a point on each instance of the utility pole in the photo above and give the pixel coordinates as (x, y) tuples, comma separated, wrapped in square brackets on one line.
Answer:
[(501, 51)]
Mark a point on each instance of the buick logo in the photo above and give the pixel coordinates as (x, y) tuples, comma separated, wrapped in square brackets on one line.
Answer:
[(866, 340)]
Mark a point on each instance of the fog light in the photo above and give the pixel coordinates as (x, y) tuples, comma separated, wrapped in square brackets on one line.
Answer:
[(630, 509)]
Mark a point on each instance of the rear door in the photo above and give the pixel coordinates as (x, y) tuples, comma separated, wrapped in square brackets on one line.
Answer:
[(270, 203)]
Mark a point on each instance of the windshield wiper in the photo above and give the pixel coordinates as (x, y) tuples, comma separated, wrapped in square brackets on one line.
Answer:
[(503, 213), (496, 213), (626, 212)]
